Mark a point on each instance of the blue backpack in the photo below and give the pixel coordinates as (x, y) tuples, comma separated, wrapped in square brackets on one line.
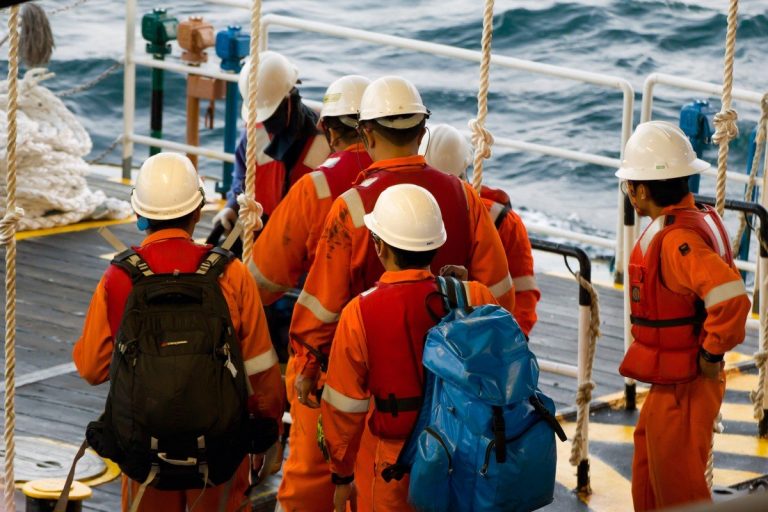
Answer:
[(485, 436)]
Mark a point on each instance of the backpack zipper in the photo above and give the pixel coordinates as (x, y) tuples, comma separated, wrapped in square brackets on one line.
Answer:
[(433, 433)]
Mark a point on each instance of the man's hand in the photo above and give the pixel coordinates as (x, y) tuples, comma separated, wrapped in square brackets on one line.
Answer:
[(457, 271), (342, 495), (710, 370), (227, 217), (305, 388)]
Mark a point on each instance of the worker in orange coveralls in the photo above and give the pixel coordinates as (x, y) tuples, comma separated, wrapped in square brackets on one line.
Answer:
[(392, 119), (283, 253), (377, 350), (689, 308), (446, 149), (168, 199)]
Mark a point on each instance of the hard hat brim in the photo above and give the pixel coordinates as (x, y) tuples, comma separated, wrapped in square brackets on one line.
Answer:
[(402, 243), (644, 174)]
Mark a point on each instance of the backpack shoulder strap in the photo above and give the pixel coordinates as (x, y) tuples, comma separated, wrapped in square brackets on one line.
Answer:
[(454, 293), (218, 258), (130, 261)]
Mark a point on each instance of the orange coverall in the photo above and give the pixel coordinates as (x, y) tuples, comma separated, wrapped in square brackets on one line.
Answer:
[(285, 249), (350, 443), (674, 432), (514, 238), (328, 289), (93, 352), (281, 254)]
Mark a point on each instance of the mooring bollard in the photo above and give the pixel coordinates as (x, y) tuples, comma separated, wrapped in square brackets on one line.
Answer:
[(42, 495)]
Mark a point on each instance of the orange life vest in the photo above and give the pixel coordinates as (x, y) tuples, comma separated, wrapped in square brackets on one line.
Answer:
[(496, 195), (667, 326), (396, 321), (449, 193)]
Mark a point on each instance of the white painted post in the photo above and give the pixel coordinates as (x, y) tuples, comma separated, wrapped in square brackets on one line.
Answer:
[(129, 86)]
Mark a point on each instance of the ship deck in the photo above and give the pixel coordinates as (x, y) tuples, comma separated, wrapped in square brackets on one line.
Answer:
[(59, 269)]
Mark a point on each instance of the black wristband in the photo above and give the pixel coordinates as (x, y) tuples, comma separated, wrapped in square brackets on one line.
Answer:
[(710, 357), (342, 480)]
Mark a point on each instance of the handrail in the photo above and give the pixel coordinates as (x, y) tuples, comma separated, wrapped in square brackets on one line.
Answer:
[(586, 354), (745, 207)]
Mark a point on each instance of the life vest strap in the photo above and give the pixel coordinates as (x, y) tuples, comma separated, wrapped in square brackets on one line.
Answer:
[(393, 405), (669, 322)]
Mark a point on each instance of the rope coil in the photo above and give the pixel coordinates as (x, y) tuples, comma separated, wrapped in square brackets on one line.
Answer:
[(250, 150), (579, 450), (482, 138), (9, 222)]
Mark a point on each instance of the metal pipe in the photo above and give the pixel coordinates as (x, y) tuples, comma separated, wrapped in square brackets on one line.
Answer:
[(568, 154), (690, 85), (156, 110), (231, 113), (558, 368), (193, 120), (203, 70), (129, 86), (543, 229), (182, 148)]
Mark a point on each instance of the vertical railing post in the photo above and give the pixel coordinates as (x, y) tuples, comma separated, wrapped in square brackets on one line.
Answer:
[(630, 388), (129, 86)]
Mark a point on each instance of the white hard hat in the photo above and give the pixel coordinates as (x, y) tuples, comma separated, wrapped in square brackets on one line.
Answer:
[(659, 151), (408, 217), (275, 79), (447, 150), (167, 187), (342, 98), (393, 96)]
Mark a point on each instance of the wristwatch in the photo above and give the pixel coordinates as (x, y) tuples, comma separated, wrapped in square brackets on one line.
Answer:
[(710, 357), (342, 480)]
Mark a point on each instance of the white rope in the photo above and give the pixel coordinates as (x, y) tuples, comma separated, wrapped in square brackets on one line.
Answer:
[(247, 216), (759, 148), (52, 187), (482, 138), (760, 361), (8, 239), (726, 128), (579, 451)]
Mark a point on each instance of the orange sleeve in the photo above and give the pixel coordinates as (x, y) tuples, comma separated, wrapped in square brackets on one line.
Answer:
[(345, 396), (702, 272), (488, 263), (92, 353), (327, 288), (284, 250), (266, 390), (479, 294), (517, 246)]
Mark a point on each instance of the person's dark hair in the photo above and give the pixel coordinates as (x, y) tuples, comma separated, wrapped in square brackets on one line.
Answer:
[(178, 222), (347, 134), (398, 137), (412, 259), (666, 192)]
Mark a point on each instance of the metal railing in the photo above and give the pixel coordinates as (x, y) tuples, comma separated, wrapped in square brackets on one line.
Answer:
[(580, 370)]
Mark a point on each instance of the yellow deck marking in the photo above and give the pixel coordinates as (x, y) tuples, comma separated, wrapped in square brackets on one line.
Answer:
[(732, 358), (610, 490), (80, 226), (741, 445), (728, 477), (741, 382), (124, 181)]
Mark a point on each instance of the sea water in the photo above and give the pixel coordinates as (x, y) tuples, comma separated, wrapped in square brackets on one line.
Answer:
[(626, 38)]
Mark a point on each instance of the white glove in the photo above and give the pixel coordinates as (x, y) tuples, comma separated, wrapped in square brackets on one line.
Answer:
[(227, 217)]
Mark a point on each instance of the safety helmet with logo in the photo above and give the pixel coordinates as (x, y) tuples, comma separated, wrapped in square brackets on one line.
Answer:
[(167, 187), (342, 99), (408, 217), (447, 150), (659, 151), (275, 79), (393, 97)]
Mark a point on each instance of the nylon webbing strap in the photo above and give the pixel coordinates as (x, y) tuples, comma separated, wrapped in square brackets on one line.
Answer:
[(125, 253), (220, 252), (393, 405), (61, 503), (670, 322), (143, 487), (112, 240)]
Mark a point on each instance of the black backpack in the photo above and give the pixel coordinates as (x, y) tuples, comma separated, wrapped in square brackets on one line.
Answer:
[(176, 414)]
